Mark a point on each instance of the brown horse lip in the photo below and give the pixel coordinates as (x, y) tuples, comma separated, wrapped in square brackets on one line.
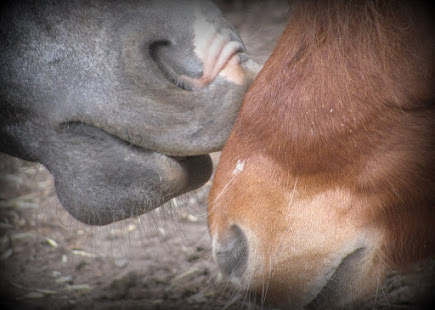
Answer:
[(334, 281)]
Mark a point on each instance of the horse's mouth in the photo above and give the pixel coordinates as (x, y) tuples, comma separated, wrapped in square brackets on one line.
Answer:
[(336, 279), (94, 131), (136, 180)]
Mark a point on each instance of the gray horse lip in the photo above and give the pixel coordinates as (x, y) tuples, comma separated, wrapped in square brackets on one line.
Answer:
[(123, 179), (71, 127), (180, 158), (196, 169)]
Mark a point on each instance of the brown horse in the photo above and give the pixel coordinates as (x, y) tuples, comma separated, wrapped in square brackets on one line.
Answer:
[(327, 180)]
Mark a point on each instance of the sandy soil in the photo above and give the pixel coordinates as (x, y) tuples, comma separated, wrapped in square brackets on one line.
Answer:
[(160, 260), (48, 260)]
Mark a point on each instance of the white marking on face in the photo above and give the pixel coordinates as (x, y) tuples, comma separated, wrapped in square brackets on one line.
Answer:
[(239, 167)]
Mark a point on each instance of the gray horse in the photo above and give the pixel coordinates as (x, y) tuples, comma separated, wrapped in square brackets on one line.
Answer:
[(120, 100)]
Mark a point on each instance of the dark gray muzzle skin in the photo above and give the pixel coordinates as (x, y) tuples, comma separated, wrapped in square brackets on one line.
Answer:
[(91, 90)]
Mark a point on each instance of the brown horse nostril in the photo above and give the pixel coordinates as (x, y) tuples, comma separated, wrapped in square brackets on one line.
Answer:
[(231, 252)]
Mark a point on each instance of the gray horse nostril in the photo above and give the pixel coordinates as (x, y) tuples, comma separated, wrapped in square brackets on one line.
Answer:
[(173, 61), (232, 251)]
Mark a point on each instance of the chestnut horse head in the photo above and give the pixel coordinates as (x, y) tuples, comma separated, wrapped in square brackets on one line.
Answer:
[(327, 180)]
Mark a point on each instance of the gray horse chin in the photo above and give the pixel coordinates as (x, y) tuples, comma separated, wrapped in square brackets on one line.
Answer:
[(101, 179)]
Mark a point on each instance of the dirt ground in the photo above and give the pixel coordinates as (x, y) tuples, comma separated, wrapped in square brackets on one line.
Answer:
[(161, 260)]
